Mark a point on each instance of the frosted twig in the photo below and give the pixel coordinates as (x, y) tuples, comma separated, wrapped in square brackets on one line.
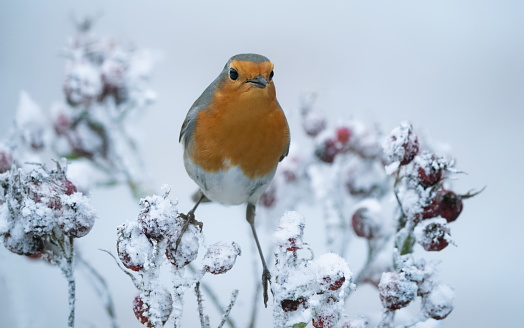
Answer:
[(133, 278), (387, 319), (102, 289), (225, 316), (204, 319), (212, 296)]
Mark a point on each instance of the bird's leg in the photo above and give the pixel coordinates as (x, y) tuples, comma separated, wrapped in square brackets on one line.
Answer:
[(189, 219), (266, 276)]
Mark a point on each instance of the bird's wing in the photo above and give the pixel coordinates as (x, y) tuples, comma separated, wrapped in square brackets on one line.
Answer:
[(200, 104)]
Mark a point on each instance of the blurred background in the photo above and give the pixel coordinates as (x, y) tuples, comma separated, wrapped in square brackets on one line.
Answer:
[(455, 69)]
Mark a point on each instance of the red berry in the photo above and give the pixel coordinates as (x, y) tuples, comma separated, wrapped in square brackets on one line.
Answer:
[(432, 210), (396, 291), (327, 150), (438, 303), (432, 234), (366, 221), (343, 135), (155, 313), (411, 148), (450, 205)]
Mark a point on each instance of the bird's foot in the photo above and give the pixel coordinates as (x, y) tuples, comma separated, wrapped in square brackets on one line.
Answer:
[(188, 218)]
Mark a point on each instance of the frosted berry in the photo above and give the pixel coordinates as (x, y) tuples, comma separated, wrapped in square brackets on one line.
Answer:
[(450, 205), (24, 243), (77, 216), (289, 305), (401, 145), (438, 303), (433, 234), (334, 284), (133, 247), (396, 291), (366, 221), (327, 150), (187, 250), (220, 257), (155, 313)]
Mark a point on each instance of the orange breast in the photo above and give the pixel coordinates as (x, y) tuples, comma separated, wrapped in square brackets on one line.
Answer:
[(245, 128)]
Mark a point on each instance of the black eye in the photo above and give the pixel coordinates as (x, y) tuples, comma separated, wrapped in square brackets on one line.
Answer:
[(271, 75), (233, 74)]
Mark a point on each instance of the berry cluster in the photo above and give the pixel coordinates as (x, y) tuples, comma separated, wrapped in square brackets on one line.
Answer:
[(161, 233), (413, 278), (42, 212), (303, 288)]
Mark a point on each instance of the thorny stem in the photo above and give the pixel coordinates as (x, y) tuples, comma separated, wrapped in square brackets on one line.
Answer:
[(212, 296), (68, 271), (225, 316), (204, 320)]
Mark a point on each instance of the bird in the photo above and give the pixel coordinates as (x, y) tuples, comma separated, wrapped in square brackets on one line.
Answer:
[(234, 135)]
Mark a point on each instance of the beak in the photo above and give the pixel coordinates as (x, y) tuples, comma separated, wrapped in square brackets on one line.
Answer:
[(258, 81)]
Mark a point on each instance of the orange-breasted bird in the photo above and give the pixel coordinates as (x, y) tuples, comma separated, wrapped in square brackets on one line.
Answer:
[(234, 136)]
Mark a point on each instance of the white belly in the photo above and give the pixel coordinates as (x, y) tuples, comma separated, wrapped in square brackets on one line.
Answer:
[(229, 187)]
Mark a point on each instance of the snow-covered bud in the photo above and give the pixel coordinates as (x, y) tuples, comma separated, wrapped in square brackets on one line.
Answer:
[(187, 250), (401, 145), (367, 221), (365, 178), (156, 311), (290, 231), (220, 257), (134, 249), (433, 234), (396, 291), (113, 76), (158, 217), (439, 302), (77, 215)]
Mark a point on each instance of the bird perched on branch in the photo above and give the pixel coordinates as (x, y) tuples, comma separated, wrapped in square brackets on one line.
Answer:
[(234, 135)]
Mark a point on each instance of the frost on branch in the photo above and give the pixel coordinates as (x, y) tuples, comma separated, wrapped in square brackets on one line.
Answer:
[(161, 238), (41, 214), (306, 289)]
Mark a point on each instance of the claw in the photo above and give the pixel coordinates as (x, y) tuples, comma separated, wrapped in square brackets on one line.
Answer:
[(266, 277)]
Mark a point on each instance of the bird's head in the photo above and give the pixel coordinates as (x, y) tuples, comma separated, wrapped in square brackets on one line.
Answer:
[(250, 73)]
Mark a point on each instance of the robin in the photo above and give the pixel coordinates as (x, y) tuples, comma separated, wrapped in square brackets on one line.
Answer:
[(234, 136)]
